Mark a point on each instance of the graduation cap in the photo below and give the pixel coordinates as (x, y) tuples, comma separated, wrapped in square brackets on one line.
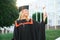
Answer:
[(23, 7)]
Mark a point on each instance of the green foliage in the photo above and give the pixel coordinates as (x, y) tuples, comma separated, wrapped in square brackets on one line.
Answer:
[(8, 36), (34, 16), (39, 17), (8, 12), (52, 34), (38, 14)]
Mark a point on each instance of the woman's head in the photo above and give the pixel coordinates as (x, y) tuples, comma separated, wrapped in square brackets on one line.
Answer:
[(24, 13)]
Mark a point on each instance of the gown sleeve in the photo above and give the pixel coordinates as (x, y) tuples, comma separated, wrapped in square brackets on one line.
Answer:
[(38, 31), (15, 31), (42, 24), (14, 34), (41, 30)]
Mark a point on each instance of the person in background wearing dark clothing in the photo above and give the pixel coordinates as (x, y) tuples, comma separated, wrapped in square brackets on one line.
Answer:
[(27, 28)]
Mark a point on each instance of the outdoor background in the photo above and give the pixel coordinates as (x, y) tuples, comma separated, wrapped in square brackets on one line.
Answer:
[(9, 12)]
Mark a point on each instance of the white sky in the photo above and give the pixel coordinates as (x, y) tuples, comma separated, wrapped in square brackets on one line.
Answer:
[(24, 2), (37, 3)]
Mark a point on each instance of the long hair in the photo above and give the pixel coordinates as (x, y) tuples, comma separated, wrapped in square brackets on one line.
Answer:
[(20, 14)]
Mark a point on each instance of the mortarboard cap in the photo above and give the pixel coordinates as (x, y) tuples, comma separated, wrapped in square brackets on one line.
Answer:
[(23, 7)]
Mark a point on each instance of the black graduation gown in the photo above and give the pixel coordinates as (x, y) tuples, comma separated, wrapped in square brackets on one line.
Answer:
[(28, 31), (42, 26)]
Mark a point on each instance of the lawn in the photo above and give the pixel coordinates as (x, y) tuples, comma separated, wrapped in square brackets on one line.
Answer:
[(6, 36), (50, 35)]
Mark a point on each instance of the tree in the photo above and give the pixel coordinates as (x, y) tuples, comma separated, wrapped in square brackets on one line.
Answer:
[(34, 16), (8, 12), (40, 17)]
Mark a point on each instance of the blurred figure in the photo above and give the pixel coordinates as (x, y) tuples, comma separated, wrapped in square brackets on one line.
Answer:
[(26, 28)]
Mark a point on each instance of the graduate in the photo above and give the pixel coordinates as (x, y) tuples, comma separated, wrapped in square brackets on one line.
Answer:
[(26, 28)]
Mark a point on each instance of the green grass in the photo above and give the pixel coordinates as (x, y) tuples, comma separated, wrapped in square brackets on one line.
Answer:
[(50, 35), (6, 36)]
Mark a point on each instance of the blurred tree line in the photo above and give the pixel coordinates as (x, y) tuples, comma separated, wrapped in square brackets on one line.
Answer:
[(39, 17), (8, 12)]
